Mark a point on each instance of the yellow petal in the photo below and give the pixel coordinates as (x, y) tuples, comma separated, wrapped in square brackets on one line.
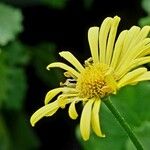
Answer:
[(72, 111), (138, 44), (64, 99), (135, 36), (131, 76), (95, 122), (142, 34), (143, 77), (86, 120), (130, 40), (145, 51), (93, 42), (130, 56), (130, 37), (103, 35), (135, 63), (70, 58), (51, 94), (111, 39), (118, 48), (47, 110), (63, 66), (140, 61)]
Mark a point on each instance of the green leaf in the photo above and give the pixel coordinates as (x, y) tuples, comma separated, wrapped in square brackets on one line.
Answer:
[(10, 23), (44, 55), (143, 133), (16, 54), (12, 77), (133, 103), (146, 5)]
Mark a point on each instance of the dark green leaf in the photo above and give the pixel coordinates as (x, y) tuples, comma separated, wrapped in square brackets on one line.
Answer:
[(4, 135), (13, 80)]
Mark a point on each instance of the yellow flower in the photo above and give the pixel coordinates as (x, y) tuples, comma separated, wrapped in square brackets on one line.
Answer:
[(114, 63)]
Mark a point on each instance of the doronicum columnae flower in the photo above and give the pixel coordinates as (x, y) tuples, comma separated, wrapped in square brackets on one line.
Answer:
[(114, 63)]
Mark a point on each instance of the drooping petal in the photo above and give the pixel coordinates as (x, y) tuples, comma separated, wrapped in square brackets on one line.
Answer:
[(70, 58), (111, 39), (131, 76), (103, 35), (72, 111), (93, 42), (51, 94), (95, 122), (86, 120), (47, 110), (118, 49), (63, 66), (64, 99)]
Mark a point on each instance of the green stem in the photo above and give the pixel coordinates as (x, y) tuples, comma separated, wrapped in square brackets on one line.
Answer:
[(123, 123)]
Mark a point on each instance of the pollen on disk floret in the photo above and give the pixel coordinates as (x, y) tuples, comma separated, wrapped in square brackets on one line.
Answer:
[(92, 81)]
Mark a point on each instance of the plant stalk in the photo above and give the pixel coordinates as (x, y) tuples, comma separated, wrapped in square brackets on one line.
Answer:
[(123, 123)]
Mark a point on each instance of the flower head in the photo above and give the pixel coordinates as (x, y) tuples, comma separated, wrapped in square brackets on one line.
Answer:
[(114, 63)]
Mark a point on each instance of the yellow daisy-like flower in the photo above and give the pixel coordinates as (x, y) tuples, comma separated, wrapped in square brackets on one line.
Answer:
[(114, 63)]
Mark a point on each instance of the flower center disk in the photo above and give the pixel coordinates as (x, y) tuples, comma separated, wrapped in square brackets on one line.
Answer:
[(94, 81)]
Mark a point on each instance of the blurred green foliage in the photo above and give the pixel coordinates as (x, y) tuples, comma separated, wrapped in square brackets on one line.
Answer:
[(145, 4), (133, 103), (13, 58), (144, 21), (55, 4), (15, 130), (10, 19)]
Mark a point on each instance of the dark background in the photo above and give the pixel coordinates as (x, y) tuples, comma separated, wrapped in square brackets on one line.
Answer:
[(68, 29)]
